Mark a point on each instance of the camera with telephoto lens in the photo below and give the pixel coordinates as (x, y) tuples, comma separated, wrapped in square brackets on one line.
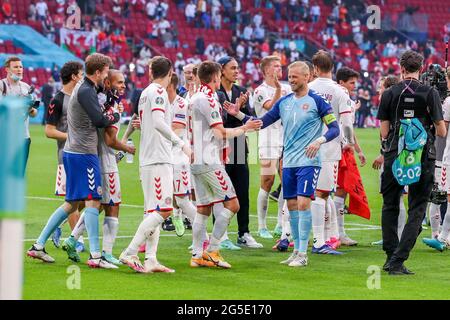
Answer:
[(435, 77), (438, 196)]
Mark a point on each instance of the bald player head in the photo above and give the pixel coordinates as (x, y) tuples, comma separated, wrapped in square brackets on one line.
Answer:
[(115, 80), (298, 76)]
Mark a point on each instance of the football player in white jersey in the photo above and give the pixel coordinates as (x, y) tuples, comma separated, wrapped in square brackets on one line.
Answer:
[(331, 153), (211, 181), (108, 144), (270, 142), (181, 167), (156, 167), (346, 78), (441, 236)]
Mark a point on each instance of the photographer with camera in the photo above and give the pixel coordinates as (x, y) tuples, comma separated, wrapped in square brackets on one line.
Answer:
[(411, 117), (13, 86)]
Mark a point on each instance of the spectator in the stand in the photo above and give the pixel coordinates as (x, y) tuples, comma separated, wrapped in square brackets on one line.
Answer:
[(364, 110), (163, 26), (364, 63), (238, 11), (315, 13), (356, 25), (32, 11), (240, 50), (217, 21), (145, 53), (248, 33), (41, 9), (277, 4), (7, 9), (331, 22), (56, 76), (206, 20), (150, 8), (189, 12), (199, 45), (292, 8), (260, 33), (60, 6), (117, 9), (257, 19), (162, 9)]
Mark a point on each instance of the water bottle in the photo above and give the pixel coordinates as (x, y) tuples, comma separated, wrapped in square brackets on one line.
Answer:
[(129, 157)]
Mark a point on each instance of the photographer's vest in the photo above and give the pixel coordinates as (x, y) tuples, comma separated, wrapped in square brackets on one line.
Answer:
[(415, 132)]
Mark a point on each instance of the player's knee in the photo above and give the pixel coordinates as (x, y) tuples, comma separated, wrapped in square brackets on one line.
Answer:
[(267, 182), (323, 194), (232, 205)]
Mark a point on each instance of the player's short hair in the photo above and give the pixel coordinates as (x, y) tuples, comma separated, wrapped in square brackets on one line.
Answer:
[(266, 61), (160, 67), (207, 70), (97, 61), (412, 61), (174, 80), (299, 64), (390, 81), (11, 59), (323, 61), (68, 69), (310, 66), (195, 69), (345, 74)]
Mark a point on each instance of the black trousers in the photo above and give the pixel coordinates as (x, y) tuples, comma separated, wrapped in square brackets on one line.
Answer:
[(240, 177), (397, 250)]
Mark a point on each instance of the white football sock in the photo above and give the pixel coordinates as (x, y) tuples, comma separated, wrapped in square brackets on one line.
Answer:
[(110, 229), (401, 218), (318, 221), (220, 227), (326, 221), (217, 209), (339, 204), (334, 231), (145, 229), (286, 223), (435, 219), (198, 231), (187, 207), (261, 208), (79, 228), (151, 246), (445, 226)]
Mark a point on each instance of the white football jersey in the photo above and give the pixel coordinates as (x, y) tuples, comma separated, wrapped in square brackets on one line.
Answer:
[(271, 136), (206, 113), (179, 115), (340, 103), (446, 113), (154, 148)]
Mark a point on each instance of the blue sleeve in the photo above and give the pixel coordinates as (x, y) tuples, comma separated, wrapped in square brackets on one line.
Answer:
[(332, 132), (323, 107), (270, 117)]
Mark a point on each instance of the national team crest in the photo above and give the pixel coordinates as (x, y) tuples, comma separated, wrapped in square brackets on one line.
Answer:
[(159, 100), (99, 190), (305, 106), (168, 200)]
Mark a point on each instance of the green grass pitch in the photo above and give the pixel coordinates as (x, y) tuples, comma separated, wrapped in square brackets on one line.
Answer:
[(256, 273)]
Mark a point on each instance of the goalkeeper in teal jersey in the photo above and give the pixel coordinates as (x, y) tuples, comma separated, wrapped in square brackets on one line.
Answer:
[(302, 115)]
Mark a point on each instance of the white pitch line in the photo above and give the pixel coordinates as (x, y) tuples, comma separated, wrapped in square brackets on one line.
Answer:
[(365, 226)]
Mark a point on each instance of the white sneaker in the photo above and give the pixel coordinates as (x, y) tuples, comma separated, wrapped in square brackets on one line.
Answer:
[(300, 261), (290, 259), (248, 241), (100, 262), (152, 265), (132, 261), (347, 241), (39, 254)]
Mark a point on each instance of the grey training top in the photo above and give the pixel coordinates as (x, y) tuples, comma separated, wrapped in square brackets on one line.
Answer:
[(84, 116)]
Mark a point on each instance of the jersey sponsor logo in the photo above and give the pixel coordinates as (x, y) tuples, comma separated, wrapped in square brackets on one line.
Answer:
[(329, 118), (159, 101)]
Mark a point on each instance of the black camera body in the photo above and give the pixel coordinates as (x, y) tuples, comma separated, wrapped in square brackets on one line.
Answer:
[(435, 77)]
